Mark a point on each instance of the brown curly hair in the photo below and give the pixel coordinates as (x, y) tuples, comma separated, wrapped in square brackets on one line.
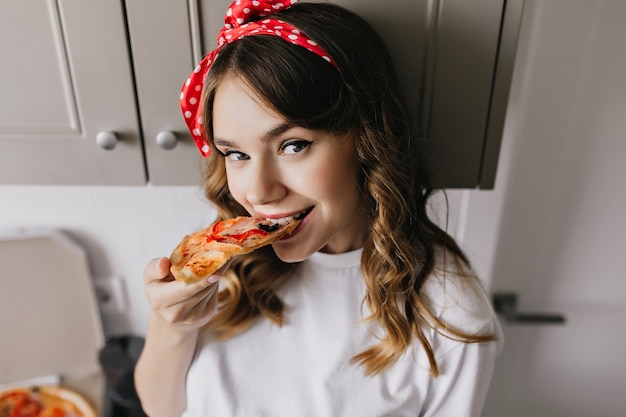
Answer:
[(363, 97)]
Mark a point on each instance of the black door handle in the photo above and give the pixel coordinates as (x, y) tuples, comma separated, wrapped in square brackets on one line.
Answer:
[(505, 304)]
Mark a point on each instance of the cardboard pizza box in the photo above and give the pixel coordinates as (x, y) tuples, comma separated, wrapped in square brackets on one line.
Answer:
[(50, 324)]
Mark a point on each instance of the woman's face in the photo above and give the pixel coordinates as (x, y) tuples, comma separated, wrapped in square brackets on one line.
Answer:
[(276, 170)]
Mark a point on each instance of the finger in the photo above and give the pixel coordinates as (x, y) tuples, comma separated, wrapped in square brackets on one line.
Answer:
[(156, 270), (201, 299), (186, 291), (164, 293), (162, 267), (196, 310)]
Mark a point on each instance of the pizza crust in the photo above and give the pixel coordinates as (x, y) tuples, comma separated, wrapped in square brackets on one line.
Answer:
[(190, 269)]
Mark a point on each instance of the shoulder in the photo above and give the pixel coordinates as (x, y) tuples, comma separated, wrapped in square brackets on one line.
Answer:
[(457, 297)]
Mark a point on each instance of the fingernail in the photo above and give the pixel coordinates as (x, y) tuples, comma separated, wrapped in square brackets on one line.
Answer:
[(213, 279), (158, 266)]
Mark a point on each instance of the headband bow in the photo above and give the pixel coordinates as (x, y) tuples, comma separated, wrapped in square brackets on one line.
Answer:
[(243, 18)]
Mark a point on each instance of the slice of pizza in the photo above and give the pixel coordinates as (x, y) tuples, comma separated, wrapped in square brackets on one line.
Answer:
[(202, 253)]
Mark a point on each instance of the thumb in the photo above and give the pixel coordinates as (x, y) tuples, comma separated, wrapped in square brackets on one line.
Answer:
[(162, 267)]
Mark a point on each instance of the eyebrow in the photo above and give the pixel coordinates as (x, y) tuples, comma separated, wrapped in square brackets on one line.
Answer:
[(267, 136)]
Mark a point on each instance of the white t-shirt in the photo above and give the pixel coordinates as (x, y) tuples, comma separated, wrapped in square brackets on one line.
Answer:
[(303, 368)]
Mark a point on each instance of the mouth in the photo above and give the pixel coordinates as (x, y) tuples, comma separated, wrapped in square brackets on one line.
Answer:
[(299, 216)]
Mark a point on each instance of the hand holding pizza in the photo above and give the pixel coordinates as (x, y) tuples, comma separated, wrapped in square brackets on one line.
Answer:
[(186, 306)]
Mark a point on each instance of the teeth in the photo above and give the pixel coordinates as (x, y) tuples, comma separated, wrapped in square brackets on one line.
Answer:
[(284, 220)]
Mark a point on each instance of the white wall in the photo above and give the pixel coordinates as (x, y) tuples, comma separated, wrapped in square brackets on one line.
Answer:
[(559, 197)]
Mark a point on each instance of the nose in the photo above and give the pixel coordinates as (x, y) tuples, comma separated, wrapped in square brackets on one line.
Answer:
[(265, 185)]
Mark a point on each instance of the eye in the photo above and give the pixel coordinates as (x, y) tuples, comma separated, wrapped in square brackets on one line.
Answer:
[(235, 156), (294, 147)]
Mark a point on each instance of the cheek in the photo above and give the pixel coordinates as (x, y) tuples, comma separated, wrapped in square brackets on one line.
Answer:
[(236, 187), (315, 179), (332, 180)]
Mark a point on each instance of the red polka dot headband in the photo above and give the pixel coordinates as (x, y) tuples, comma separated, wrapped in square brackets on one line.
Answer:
[(237, 24)]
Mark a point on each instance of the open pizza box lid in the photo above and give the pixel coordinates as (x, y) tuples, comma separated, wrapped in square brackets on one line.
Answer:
[(50, 326)]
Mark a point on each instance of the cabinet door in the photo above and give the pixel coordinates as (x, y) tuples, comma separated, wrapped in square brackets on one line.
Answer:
[(163, 57), (470, 53), (65, 77), (455, 58)]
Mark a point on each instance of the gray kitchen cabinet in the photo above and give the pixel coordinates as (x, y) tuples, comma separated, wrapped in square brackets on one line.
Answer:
[(80, 104), (163, 56), (73, 70), (470, 51), (65, 78)]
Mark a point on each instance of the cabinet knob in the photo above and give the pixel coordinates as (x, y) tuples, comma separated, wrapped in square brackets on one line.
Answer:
[(167, 140), (107, 140)]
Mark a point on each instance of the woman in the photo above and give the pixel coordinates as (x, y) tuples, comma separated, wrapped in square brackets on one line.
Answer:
[(368, 308)]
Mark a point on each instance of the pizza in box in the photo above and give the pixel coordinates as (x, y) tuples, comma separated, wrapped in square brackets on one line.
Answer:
[(44, 401)]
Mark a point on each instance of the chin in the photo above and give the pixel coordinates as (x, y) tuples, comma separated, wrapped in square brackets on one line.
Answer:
[(290, 259), (291, 254)]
